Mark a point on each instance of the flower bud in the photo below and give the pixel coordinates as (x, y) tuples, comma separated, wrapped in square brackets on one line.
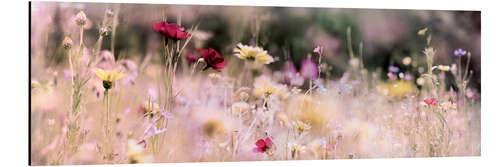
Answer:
[(67, 43), (81, 19)]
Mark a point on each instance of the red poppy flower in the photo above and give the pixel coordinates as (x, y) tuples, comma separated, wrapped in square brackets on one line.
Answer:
[(171, 31), (262, 145), (191, 58), (431, 101), (212, 59)]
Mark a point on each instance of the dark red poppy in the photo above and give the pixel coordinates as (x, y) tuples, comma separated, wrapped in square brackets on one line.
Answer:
[(171, 30), (431, 102), (262, 145), (212, 59), (191, 58)]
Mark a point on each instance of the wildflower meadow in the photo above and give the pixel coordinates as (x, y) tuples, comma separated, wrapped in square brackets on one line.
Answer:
[(146, 83)]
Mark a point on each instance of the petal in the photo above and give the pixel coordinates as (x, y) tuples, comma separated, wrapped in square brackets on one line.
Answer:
[(158, 26), (268, 142), (119, 76), (101, 74), (260, 143)]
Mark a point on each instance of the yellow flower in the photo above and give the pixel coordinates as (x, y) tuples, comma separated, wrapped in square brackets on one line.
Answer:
[(108, 77), (264, 87), (448, 106), (252, 53), (214, 126), (150, 106), (134, 149), (301, 126), (422, 31), (240, 107), (35, 84), (283, 119), (398, 88), (136, 153)]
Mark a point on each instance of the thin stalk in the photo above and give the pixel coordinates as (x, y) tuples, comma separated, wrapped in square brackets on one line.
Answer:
[(113, 31)]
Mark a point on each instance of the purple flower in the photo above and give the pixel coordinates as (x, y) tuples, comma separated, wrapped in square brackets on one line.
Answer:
[(393, 69), (459, 52), (308, 69)]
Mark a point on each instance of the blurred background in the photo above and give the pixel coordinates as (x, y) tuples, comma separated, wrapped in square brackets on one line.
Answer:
[(287, 33)]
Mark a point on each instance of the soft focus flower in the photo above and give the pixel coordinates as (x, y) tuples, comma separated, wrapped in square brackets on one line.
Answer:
[(171, 30), (296, 149), (420, 81), (318, 50), (104, 31), (148, 107), (108, 77), (443, 68), (430, 101), (191, 58), (262, 145), (393, 69), (406, 60), (283, 119), (308, 69), (391, 76), (81, 18), (152, 131), (448, 106), (459, 52), (251, 53), (136, 153), (422, 31), (397, 88), (240, 107), (214, 126), (212, 59), (264, 87), (67, 43), (301, 126), (106, 60), (289, 71), (35, 84), (130, 69)]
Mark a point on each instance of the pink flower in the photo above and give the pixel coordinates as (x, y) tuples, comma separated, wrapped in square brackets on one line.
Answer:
[(212, 59), (262, 145), (431, 101), (309, 70), (171, 31)]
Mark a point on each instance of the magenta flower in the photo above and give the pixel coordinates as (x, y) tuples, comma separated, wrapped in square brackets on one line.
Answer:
[(212, 59), (191, 58), (171, 30), (262, 145), (430, 101), (308, 69)]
